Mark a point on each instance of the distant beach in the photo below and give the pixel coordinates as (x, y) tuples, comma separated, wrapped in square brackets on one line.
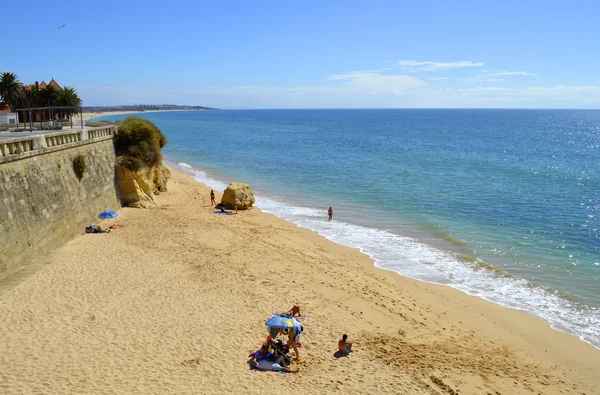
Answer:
[(91, 115), (175, 300)]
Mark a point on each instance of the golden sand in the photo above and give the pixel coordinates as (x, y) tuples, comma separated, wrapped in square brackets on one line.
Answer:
[(174, 301)]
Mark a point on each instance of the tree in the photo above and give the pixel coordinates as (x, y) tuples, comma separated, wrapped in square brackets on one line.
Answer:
[(11, 89), (49, 95), (31, 98), (68, 97)]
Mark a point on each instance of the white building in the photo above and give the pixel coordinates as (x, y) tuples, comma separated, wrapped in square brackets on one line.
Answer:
[(10, 118)]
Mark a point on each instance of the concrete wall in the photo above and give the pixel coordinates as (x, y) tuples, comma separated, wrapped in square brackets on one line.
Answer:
[(43, 204)]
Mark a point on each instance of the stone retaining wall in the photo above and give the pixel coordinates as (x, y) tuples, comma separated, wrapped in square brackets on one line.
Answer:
[(42, 202)]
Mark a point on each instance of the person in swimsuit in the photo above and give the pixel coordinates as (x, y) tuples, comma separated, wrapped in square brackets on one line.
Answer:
[(344, 345), (330, 212), (293, 339), (212, 197), (265, 360), (294, 311)]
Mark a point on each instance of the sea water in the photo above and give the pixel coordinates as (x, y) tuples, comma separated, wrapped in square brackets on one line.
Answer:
[(502, 204)]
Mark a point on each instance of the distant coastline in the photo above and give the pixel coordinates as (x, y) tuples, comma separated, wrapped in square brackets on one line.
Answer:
[(90, 112), (143, 107)]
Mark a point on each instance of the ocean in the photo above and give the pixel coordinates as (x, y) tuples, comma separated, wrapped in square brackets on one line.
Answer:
[(502, 204)]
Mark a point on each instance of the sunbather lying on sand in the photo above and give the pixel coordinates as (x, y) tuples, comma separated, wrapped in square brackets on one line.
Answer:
[(95, 229), (264, 360)]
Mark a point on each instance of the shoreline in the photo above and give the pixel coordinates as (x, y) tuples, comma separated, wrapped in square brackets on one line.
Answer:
[(173, 301), (92, 115), (553, 324)]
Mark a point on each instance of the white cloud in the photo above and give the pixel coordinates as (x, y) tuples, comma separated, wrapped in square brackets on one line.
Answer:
[(503, 73), (491, 76), (348, 94), (414, 66), (381, 81)]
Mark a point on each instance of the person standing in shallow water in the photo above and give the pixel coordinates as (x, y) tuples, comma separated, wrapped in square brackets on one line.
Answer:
[(330, 212), (212, 197)]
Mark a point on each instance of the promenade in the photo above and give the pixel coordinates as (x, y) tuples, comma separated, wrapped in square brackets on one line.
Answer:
[(11, 134)]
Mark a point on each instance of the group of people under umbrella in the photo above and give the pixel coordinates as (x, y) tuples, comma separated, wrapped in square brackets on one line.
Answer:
[(93, 228), (273, 355)]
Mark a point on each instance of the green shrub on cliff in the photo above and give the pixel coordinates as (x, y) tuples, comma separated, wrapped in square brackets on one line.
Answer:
[(79, 166), (138, 143)]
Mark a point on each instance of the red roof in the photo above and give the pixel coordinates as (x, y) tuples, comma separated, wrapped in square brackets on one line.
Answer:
[(4, 107), (43, 85), (54, 84)]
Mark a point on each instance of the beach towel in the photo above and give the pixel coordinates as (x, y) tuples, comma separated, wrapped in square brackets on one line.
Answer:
[(222, 212)]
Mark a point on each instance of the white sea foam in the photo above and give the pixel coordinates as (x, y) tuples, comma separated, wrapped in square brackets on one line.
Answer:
[(200, 176), (411, 258)]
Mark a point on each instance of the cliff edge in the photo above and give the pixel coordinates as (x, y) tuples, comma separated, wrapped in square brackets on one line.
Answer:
[(138, 187), (139, 169)]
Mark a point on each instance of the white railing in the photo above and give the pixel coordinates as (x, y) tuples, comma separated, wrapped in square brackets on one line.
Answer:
[(40, 143), (101, 132), (52, 140), (12, 147)]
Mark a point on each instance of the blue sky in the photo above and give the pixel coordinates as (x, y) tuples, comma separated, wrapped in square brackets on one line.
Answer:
[(312, 54)]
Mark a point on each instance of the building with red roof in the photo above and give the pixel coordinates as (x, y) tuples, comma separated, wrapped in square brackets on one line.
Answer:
[(6, 116), (45, 114)]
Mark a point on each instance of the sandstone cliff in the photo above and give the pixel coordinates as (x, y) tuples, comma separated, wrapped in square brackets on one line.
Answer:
[(138, 187), (240, 191)]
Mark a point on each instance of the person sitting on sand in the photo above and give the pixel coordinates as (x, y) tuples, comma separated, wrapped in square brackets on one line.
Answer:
[(265, 360), (344, 345)]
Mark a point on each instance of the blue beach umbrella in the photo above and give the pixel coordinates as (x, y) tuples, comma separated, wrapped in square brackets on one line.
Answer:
[(108, 214), (281, 321)]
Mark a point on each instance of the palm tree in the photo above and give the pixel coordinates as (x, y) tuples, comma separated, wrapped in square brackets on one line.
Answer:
[(31, 98), (49, 95), (68, 97), (10, 89)]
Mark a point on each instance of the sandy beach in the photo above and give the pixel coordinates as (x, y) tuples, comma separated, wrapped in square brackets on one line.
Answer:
[(175, 300), (89, 115)]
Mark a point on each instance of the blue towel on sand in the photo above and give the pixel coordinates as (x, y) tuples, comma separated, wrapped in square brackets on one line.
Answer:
[(221, 212)]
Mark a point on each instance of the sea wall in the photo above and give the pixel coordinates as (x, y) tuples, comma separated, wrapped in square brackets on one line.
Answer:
[(43, 203)]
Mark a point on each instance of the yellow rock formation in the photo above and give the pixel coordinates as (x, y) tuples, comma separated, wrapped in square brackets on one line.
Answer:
[(139, 187), (240, 191)]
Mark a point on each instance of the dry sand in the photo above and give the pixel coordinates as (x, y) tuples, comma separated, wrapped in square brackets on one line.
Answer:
[(174, 301)]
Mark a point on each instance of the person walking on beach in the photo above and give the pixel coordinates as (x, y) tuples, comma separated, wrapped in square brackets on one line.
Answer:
[(212, 197), (237, 202), (330, 212)]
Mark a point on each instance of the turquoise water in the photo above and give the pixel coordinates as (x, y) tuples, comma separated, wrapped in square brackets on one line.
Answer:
[(503, 204)]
